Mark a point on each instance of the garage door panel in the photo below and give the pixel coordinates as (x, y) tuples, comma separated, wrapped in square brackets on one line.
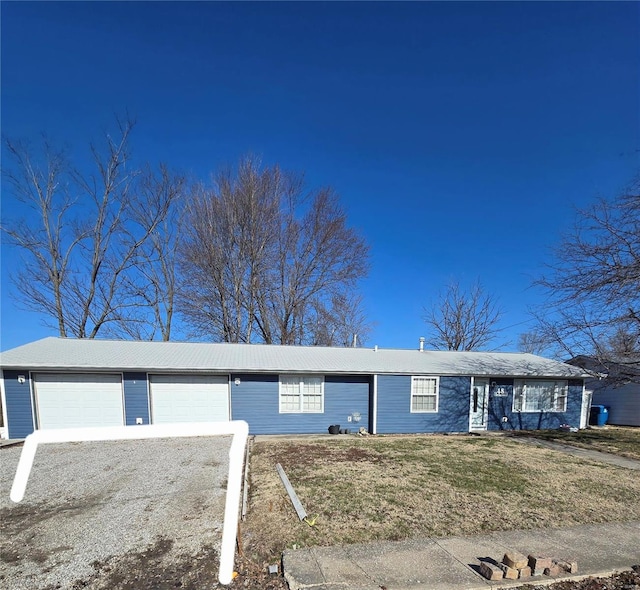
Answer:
[(189, 398), (80, 400)]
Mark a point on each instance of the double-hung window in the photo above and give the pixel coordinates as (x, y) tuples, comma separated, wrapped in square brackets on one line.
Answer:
[(537, 395), (301, 394), (424, 394)]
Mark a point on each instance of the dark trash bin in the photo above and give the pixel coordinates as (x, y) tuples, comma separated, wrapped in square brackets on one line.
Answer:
[(598, 415)]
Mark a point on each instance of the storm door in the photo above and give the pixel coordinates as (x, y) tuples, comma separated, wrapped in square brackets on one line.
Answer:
[(479, 404)]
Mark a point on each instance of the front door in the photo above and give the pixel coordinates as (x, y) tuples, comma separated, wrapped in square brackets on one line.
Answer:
[(479, 404)]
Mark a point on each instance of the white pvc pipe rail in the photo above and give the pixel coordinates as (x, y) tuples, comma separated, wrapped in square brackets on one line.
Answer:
[(239, 429)]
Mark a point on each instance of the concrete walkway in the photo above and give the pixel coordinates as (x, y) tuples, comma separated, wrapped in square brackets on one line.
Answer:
[(589, 454), (453, 563)]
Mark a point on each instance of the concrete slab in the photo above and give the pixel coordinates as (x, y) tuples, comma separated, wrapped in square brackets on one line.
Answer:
[(340, 567), (411, 564), (453, 563), (600, 548), (301, 568), (471, 552)]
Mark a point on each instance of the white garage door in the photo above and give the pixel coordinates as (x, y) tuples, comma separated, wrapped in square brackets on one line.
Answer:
[(189, 398), (74, 401)]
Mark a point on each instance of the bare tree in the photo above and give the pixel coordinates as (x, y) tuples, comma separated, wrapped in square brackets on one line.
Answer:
[(533, 342), (342, 323), (463, 319), (593, 285), (625, 341), (82, 242), (46, 247), (230, 241), (263, 261), (157, 209)]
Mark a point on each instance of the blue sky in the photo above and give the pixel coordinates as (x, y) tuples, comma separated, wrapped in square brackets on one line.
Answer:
[(459, 135)]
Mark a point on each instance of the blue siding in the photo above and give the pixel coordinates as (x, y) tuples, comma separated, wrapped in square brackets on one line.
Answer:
[(394, 406), (19, 404), (500, 407), (136, 398), (255, 400), (342, 397)]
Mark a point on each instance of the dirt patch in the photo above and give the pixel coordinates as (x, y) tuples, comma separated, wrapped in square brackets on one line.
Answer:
[(629, 580), (23, 521), (159, 568), (22, 517), (155, 568), (12, 555), (256, 576), (295, 456)]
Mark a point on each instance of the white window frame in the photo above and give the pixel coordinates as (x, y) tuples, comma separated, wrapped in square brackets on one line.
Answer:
[(414, 394), (300, 394), (561, 392)]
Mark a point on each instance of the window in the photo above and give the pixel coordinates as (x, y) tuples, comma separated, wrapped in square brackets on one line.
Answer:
[(301, 393), (424, 394), (533, 395)]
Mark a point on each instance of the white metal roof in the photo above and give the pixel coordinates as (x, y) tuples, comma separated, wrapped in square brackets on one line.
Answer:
[(127, 355)]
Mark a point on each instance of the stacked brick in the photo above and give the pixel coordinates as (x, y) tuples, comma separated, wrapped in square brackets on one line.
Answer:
[(516, 565)]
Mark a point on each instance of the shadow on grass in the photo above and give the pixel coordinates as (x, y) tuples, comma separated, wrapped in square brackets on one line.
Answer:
[(622, 441)]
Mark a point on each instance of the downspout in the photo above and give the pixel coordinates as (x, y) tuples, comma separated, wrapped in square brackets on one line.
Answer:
[(3, 404), (471, 400), (374, 422), (585, 406), (32, 399)]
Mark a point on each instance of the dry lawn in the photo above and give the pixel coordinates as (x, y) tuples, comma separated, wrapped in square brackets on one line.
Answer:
[(395, 487), (619, 440)]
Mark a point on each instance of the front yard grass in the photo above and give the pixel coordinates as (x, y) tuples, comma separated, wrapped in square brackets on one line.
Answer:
[(610, 439), (396, 487)]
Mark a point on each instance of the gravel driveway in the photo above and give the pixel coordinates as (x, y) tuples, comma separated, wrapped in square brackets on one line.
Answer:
[(115, 514)]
